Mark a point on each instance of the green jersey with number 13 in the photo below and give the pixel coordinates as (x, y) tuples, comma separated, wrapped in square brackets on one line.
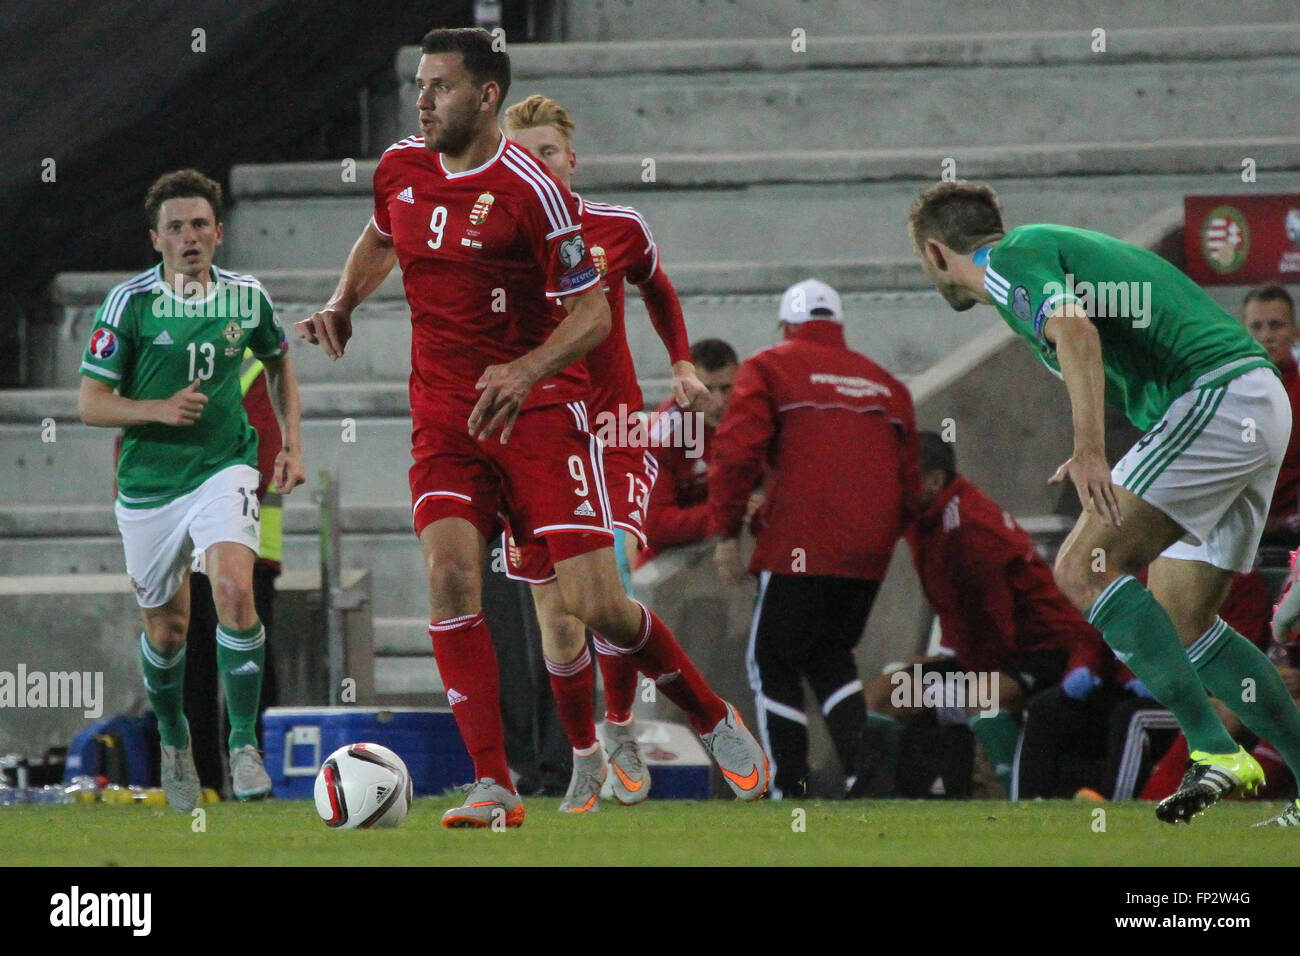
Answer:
[(149, 342)]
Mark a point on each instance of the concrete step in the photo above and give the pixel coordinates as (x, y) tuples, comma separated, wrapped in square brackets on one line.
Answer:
[(405, 677), (402, 636), (399, 588), (300, 517), (1147, 85), (381, 348), (813, 163), (717, 22), (298, 287), (371, 456), (371, 379), (1026, 43), (811, 221)]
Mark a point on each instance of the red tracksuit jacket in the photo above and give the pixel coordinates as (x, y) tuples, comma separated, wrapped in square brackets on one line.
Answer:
[(678, 512), (835, 435), (994, 594)]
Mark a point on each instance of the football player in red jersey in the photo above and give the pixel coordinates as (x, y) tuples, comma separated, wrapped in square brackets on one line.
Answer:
[(486, 238), (623, 250)]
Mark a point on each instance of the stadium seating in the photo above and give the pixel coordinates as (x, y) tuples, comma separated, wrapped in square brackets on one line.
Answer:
[(770, 165)]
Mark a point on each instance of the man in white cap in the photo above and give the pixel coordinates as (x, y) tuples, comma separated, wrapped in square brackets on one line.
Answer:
[(831, 436)]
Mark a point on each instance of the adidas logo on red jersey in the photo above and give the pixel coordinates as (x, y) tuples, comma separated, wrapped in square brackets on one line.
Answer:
[(585, 510), (406, 196), (455, 697)]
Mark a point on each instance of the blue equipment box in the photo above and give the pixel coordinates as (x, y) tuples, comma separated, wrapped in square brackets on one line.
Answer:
[(298, 739)]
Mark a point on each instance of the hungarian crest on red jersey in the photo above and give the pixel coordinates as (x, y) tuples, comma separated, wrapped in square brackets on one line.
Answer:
[(482, 206), (598, 257)]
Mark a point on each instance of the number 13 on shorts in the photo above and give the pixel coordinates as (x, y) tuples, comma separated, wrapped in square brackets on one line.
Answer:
[(638, 492)]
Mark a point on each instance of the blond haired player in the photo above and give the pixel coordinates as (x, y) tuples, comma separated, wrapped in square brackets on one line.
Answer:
[(624, 251)]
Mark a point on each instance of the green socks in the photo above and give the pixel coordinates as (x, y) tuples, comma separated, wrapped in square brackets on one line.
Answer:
[(998, 735), (241, 655), (164, 679), (1237, 672), (1142, 636)]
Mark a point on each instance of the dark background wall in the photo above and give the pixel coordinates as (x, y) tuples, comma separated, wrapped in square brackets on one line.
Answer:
[(115, 94)]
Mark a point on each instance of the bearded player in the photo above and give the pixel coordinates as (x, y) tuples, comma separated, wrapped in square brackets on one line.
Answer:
[(1120, 325), (487, 239), (623, 250)]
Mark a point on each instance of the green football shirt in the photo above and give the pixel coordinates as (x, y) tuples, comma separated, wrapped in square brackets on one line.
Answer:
[(148, 342), (1161, 334)]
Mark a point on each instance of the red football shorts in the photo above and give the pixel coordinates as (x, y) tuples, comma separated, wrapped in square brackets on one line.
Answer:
[(547, 483), (629, 475)]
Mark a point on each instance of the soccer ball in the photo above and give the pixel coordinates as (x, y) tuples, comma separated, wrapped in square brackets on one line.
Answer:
[(361, 786)]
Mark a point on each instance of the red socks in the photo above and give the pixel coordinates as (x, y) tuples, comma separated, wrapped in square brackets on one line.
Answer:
[(468, 665), (573, 684), (657, 654), (619, 675)]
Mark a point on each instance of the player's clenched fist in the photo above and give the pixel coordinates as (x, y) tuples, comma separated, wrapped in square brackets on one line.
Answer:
[(289, 472), (183, 408), (330, 328)]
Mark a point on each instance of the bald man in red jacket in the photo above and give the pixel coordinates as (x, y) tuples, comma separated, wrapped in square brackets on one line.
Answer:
[(831, 437)]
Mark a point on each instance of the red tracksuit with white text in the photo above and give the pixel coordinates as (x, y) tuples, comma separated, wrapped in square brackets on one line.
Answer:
[(836, 435)]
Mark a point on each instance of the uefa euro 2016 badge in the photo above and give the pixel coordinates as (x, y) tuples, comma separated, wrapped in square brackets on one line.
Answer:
[(103, 344), (482, 206), (598, 257), (1020, 303)]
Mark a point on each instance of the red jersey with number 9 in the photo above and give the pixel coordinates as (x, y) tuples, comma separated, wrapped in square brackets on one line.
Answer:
[(485, 253)]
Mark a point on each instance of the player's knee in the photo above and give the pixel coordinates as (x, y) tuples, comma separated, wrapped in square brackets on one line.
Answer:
[(453, 588), (233, 597), (563, 636), (167, 632), (1076, 578), (606, 614)]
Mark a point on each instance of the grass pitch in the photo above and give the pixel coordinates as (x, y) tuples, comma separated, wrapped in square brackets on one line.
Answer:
[(658, 833)]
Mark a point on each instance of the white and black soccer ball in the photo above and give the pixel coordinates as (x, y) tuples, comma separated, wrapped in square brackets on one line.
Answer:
[(362, 786)]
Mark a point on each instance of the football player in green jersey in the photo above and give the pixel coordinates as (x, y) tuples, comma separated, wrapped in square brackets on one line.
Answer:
[(163, 364), (1124, 327)]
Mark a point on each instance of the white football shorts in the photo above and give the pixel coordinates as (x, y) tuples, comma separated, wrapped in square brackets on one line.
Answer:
[(1211, 464), (159, 542)]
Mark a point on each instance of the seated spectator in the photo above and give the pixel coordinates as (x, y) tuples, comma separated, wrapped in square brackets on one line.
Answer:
[(678, 512), (1000, 613), (1269, 316)]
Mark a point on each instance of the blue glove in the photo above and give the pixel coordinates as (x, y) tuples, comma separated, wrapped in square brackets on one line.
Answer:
[(1139, 689), (1079, 683)]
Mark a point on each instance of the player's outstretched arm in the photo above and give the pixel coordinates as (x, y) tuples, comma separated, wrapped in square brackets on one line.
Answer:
[(282, 385), (371, 259), (1078, 349), (99, 405), (504, 387), (665, 311)]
